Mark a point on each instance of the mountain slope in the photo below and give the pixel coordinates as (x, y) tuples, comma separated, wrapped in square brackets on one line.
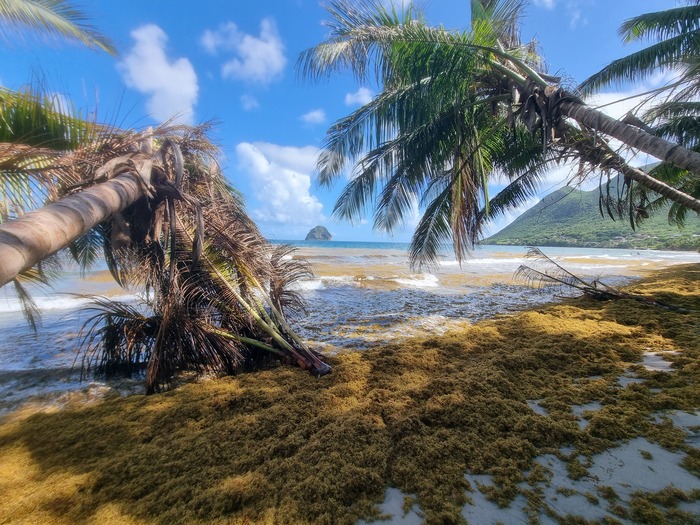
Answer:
[(571, 217)]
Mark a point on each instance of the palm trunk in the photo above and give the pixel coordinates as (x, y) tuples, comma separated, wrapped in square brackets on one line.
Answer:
[(571, 107), (632, 136), (619, 164), (29, 239), (655, 185)]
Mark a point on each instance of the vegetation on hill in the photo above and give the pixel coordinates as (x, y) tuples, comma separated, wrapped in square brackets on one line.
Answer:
[(571, 217)]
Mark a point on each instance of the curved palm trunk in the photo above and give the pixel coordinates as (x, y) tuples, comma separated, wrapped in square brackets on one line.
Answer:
[(644, 179), (29, 239), (637, 138), (619, 164)]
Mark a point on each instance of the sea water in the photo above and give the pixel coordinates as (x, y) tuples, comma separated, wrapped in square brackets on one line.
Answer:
[(361, 294)]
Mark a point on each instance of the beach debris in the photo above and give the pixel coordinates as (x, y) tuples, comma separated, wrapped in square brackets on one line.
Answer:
[(553, 273)]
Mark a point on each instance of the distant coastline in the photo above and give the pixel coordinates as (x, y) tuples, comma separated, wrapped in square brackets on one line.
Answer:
[(569, 217), (404, 246)]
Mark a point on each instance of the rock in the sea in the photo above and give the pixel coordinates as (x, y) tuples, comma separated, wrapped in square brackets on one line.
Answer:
[(319, 233)]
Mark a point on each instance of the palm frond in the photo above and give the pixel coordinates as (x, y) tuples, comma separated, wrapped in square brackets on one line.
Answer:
[(675, 32), (549, 272), (29, 308), (286, 272), (52, 18), (433, 233), (661, 25), (636, 66)]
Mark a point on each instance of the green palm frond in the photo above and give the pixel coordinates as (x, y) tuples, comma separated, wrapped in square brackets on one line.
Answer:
[(433, 233), (50, 18), (37, 140), (286, 272), (661, 56), (661, 25), (675, 32), (87, 250), (29, 308)]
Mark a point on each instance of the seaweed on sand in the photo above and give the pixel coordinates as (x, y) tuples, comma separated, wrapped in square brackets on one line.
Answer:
[(274, 447)]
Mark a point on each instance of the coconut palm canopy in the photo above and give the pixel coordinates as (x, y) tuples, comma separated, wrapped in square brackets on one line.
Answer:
[(674, 48), (457, 109)]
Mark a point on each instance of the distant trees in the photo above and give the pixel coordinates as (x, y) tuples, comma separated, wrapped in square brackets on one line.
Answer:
[(456, 110)]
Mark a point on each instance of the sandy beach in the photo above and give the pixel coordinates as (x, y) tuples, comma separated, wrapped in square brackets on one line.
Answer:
[(575, 412)]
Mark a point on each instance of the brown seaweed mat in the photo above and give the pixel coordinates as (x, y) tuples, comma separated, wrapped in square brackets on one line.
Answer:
[(278, 446)]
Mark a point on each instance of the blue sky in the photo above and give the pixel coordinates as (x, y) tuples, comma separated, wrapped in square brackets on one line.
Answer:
[(233, 62)]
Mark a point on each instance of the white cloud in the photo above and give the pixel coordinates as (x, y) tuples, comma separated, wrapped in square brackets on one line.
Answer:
[(359, 98), (299, 159), (258, 60), (249, 102), (316, 116), (171, 86), (577, 18), (547, 4), (573, 10), (280, 176)]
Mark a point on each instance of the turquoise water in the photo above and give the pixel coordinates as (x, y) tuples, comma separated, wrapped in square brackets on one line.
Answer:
[(362, 294)]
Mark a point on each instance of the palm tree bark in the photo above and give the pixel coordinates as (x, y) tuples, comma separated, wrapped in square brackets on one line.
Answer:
[(29, 239), (632, 136)]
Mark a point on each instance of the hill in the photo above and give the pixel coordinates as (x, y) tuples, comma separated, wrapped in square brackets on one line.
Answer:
[(571, 217)]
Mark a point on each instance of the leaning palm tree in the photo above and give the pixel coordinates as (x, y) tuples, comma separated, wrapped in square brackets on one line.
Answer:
[(433, 137), (170, 226), (35, 130), (675, 36), (438, 88)]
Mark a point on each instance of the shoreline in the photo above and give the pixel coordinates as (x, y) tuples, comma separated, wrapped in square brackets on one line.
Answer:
[(516, 418)]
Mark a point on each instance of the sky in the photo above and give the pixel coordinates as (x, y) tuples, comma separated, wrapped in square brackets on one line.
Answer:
[(233, 62)]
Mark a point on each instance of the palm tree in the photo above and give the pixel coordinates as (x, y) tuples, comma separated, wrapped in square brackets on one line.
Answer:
[(432, 137), (215, 295), (438, 88), (675, 35), (213, 299)]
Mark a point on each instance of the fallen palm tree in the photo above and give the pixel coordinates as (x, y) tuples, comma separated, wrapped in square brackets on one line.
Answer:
[(172, 229), (552, 273)]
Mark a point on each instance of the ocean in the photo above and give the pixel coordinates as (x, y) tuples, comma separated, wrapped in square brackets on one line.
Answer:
[(362, 294)]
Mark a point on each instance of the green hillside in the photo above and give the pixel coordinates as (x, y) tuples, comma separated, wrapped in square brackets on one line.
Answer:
[(570, 217)]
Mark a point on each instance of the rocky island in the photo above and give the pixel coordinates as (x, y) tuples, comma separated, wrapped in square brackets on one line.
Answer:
[(319, 233)]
